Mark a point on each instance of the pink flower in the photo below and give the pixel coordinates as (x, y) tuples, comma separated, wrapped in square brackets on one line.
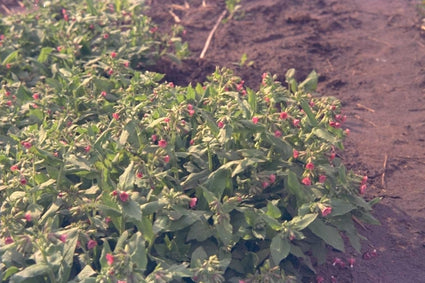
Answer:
[(326, 211), (362, 189), (296, 122), (106, 36), (162, 143), (322, 179), (103, 93), (63, 237), (153, 29), (59, 48), (108, 219), (220, 124), (113, 54), (154, 138), (126, 64), (189, 107), (339, 262), (171, 84), (306, 181), (114, 193), (124, 196), (255, 120), (28, 217), (9, 103), (191, 142), (23, 181), (109, 258), (266, 99), (166, 120), (364, 180), (334, 124), (87, 148), (166, 158), (110, 72), (347, 131), (265, 184), (332, 157), (320, 279), (309, 166), (8, 240), (191, 112), (116, 115), (272, 178), (277, 133), (139, 174), (295, 153), (91, 244), (14, 168), (36, 96), (283, 115), (192, 202), (8, 66), (27, 145), (351, 262), (7, 93)]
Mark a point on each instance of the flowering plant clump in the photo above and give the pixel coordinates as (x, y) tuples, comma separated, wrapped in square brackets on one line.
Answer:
[(116, 177)]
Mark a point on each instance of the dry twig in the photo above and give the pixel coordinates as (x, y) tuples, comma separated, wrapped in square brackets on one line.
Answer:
[(365, 107), (385, 169), (207, 43), (355, 219), (364, 120), (176, 18)]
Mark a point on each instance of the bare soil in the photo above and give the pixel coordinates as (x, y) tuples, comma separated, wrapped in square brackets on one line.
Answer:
[(371, 55)]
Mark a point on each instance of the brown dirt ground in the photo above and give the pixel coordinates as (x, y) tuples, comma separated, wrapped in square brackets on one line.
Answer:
[(371, 55)]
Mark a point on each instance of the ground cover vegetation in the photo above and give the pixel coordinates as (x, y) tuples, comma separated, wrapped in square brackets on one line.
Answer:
[(109, 174)]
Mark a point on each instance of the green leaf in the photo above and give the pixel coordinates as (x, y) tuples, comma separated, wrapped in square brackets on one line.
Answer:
[(224, 230), (84, 274), (306, 107), (327, 233), (138, 251), (105, 250), (9, 272), (320, 133), (91, 8), (273, 210), (310, 83), (44, 54), (68, 255), (340, 207), (294, 186), (126, 180), (279, 248), (301, 222), (198, 256), (9, 58), (199, 231), (30, 273), (121, 241), (132, 210), (216, 181)]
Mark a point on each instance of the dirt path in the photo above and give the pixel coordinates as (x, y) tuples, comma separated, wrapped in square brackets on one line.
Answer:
[(387, 76)]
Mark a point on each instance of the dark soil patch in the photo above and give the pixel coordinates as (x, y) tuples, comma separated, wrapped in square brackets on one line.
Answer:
[(369, 54)]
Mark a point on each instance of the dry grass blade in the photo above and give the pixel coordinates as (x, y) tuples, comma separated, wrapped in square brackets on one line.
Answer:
[(207, 43)]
